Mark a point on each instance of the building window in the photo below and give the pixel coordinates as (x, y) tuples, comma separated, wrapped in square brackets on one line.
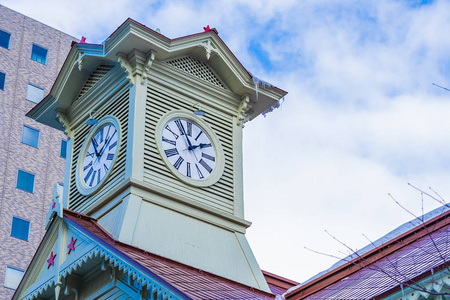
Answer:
[(63, 148), (4, 39), (39, 54), (20, 229), (25, 181), (30, 136), (34, 93), (13, 277), (2, 80)]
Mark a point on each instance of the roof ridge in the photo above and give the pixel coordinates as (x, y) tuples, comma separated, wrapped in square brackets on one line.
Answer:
[(364, 259)]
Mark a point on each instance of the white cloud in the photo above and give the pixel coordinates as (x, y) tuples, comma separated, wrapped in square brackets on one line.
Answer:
[(361, 119)]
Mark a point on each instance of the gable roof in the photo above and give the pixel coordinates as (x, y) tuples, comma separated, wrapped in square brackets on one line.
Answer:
[(192, 282), (386, 269), (278, 285), (206, 46)]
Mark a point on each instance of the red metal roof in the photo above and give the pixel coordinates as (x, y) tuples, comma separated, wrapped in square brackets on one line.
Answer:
[(412, 256), (195, 283), (278, 285)]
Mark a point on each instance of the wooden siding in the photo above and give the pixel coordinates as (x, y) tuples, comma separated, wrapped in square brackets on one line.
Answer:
[(220, 195), (95, 76), (117, 105)]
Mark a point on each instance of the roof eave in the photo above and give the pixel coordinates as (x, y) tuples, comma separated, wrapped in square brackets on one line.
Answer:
[(361, 261), (63, 94)]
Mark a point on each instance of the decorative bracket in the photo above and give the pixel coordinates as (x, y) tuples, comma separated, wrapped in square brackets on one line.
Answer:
[(137, 64), (73, 284), (65, 122), (208, 48), (124, 63), (144, 293), (80, 60), (243, 115), (151, 55)]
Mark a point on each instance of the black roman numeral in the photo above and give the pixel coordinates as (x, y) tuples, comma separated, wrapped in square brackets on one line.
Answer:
[(95, 143), (110, 156), (180, 126), (205, 145), (105, 167), (200, 175), (211, 158), (98, 176), (112, 145), (88, 174), (170, 130), (107, 133), (92, 179), (169, 141), (198, 135), (100, 134), (189, 128), (178, 163), (205, 165), (87, 166), (108, 138), (171, 152), (188, 169)]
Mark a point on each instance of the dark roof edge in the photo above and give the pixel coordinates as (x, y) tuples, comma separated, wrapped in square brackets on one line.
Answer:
[(129, 20), (279, 281), (369, 257), (34, 256)]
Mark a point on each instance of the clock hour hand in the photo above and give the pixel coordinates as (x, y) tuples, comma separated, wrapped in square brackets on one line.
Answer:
[(204, 145), (95, 147), (185, 136)]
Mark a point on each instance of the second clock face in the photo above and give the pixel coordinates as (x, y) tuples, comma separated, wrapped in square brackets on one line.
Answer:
[(100, 155), (188, 149)]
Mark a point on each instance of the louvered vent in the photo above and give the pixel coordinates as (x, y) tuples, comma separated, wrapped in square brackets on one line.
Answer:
[(219, 195), (94, 78), (116, 106), (197, 68)]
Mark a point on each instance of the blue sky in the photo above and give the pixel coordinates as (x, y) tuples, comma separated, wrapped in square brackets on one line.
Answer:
[(361, 120)]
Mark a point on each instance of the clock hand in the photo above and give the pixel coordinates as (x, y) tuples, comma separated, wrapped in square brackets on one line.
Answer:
[(185, 136), (189, 142), (107, 143), (95, 147)]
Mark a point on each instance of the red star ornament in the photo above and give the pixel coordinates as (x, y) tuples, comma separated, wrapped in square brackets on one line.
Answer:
[(53, 204), (206, 28), (71, 245), (51, 260)]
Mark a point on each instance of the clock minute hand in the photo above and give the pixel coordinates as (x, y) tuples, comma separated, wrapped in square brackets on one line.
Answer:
[(106, 143), (186, 137), (95, 147)]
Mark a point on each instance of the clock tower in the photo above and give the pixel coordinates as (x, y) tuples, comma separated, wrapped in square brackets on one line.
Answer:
[(155, 144)]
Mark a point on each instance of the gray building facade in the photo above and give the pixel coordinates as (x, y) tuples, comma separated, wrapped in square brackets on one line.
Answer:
[(31, 154)]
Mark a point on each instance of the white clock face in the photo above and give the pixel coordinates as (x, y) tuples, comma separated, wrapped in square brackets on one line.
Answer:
[(100, 155), (188, 149), (97, 155)]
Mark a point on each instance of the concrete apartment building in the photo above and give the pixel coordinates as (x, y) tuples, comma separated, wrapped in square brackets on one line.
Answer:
[(31, 154)]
